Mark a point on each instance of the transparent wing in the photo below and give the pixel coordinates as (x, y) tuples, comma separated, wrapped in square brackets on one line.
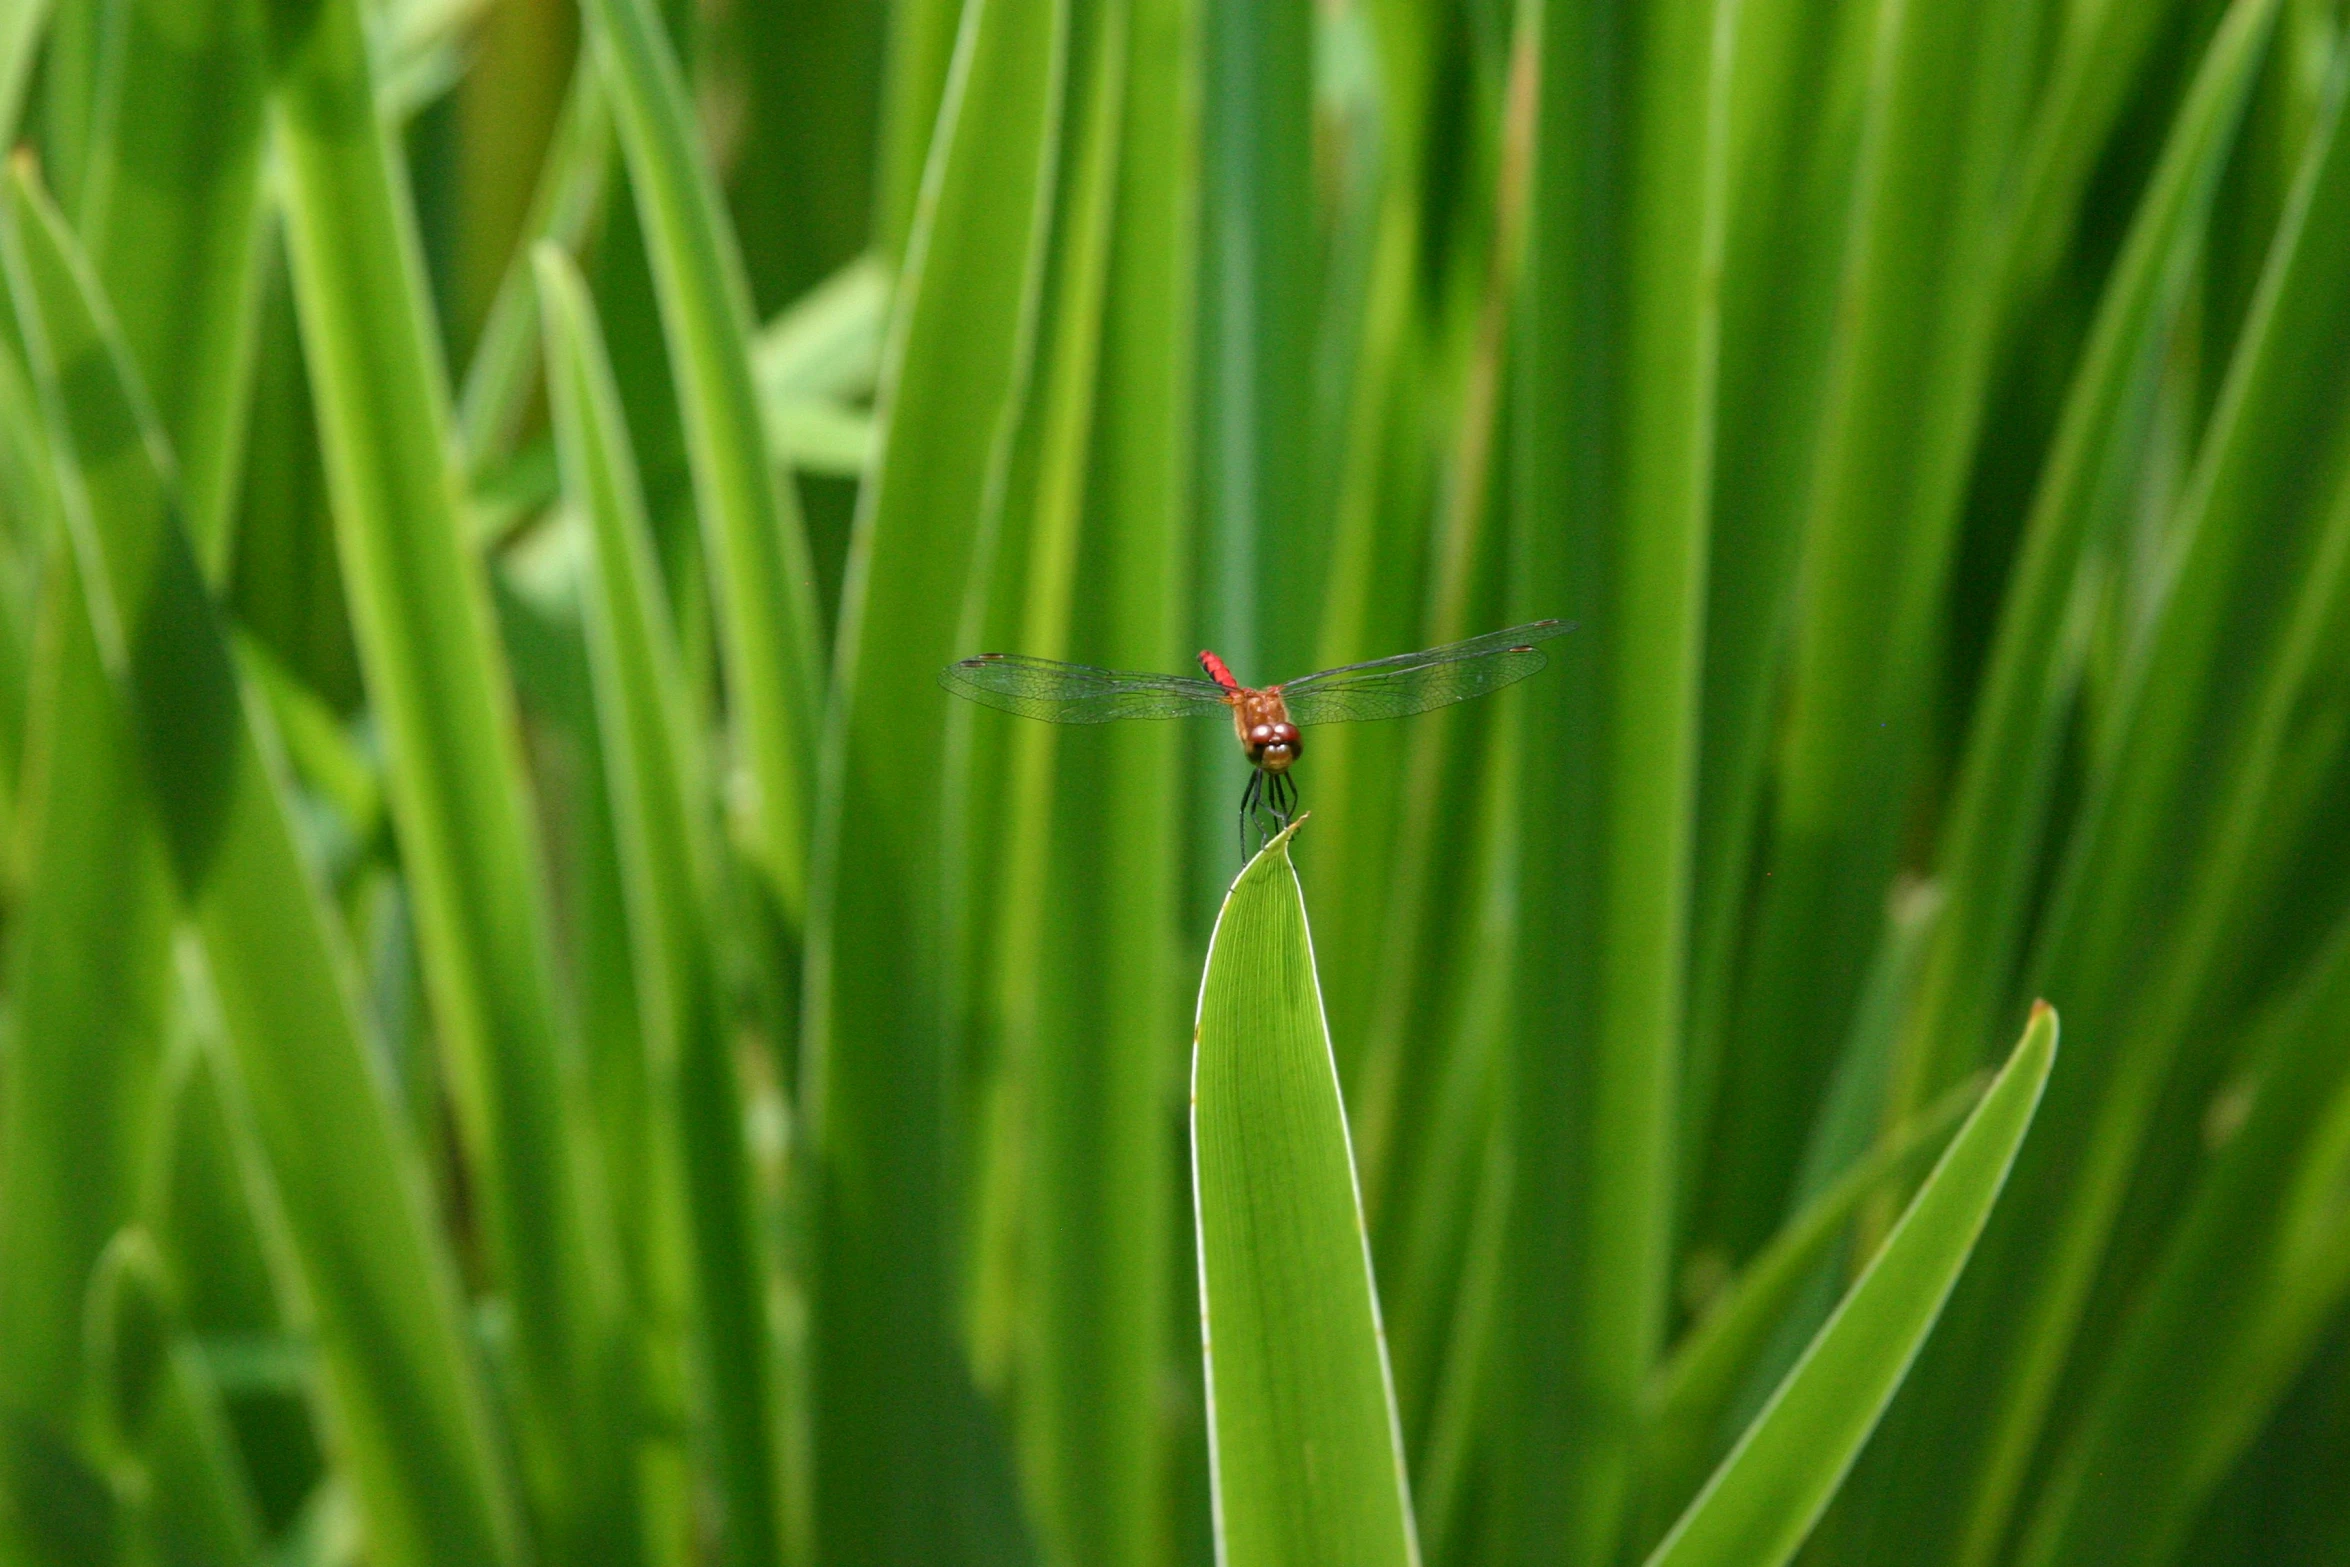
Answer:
[(1076, 693), (1415, 682)]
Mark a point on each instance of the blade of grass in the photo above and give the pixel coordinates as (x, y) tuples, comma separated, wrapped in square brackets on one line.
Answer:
[(1109, 1087), (161, 1419), (84, 1046), (378, 1295), (2281, 1507), (659, 792), (2196, 758), (1903, 399), (21, 27), (828, 342), (566, 209), (1400, 854), (285, 587), (209, 1221), (27, 509), (1083, 964), (1799, 78), (898, 1456), (1307, 1454), (920, 48), (1763, 1500), (1992, 844), (2256, 1267), (800, 177), (176, 237), (1256, 335), (763, 582), (435, 676), (1692, 1394), (81, 78), (2099, 58), (1616, 351), (1439, 1240)]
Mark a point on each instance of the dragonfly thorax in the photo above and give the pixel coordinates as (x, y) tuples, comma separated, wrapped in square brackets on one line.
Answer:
[(1261, 720)]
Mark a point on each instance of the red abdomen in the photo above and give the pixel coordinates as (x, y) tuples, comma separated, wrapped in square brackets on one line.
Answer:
[(1216, 670)]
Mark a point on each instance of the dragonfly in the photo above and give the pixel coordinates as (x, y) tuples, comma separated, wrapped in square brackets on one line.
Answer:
[(1268, 721)]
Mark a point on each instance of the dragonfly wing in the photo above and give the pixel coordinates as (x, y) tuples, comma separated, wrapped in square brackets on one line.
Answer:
[(1417, 682), (1076, 693)]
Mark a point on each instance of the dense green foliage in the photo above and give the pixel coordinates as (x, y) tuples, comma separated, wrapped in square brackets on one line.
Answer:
[(532, 1030)]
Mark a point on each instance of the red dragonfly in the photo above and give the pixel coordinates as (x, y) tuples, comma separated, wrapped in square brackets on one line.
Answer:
[(1267, 720)]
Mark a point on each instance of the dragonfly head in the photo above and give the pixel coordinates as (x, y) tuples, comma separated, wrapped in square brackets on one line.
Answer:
[(1274, 746)]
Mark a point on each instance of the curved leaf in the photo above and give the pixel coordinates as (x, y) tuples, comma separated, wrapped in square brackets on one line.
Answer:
[(761, 578), (1692, 1394), (1304, 1443), (1760, 1504), (395, 1377), (646, 722)]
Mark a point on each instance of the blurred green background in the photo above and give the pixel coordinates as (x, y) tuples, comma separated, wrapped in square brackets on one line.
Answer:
[(536, 1032)]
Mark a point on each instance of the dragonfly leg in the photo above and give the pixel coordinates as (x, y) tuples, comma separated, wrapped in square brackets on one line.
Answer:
[(1281, 792), (1248, 807)]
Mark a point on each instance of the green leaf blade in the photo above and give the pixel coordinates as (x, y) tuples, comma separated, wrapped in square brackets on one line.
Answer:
[(376, 1292), (1308, 1458), (763, 583), (1993, 838), (896, 1423), (85, 1041), (175, 231), (1762, 1502), (438, 682), (646, 723)]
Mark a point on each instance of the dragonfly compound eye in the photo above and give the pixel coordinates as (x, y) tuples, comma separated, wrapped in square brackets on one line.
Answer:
[(1275, 746)]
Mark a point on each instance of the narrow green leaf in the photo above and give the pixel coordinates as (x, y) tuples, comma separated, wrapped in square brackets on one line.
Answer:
[(436, 678), (174, 227), (1076, 1172), (920, 45), (660, 796), (28, 510), (1262, 567), (2242, 639), (81, 73), (828, 342), (20, 41), (1993, 839), (1389, 793), (1307, 1454), (172, 1449), (321, 751), (1799, 80), (1614, 460), (84, 1045), (1693, 1392), (763, 582), (1102, 1228), (1904, 391), (2256, 1266), (2098, 59), (226, 1246), (1760, 1504), (395, 1370), (896, 1428), (573, 184)]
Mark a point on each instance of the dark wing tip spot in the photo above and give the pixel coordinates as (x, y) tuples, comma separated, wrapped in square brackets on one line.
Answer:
[(1526, 648)]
